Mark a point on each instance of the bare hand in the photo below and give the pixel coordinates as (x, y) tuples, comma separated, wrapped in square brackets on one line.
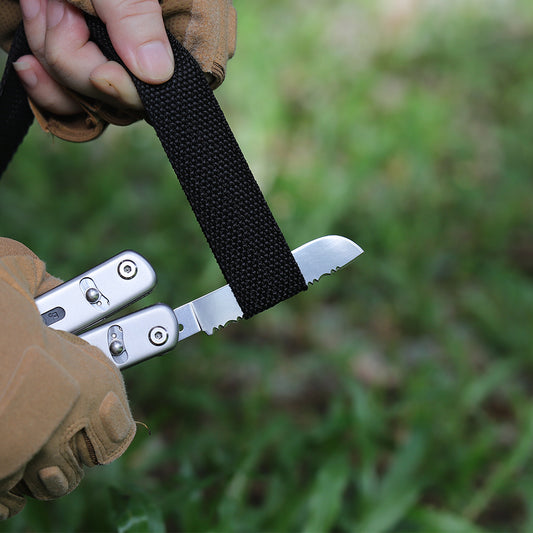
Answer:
[(63, 56)]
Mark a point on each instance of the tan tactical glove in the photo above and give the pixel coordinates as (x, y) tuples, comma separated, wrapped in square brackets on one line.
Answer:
[(207, 28), (62, 402)]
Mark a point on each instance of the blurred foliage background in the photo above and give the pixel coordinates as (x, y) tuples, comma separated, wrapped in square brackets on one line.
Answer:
[(393, 396)]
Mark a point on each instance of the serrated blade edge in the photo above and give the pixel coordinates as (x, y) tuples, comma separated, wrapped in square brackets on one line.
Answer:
[(325, 255), (216, 309)]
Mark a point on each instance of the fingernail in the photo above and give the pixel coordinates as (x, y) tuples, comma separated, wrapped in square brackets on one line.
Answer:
[(30, 8), (155, 61), (54, 13), (26, 74)]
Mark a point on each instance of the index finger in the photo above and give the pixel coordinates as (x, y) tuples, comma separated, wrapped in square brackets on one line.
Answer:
[(138, 34)]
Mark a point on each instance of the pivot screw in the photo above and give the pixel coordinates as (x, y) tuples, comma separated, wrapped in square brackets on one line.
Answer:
[(127, 269), (158, 336)]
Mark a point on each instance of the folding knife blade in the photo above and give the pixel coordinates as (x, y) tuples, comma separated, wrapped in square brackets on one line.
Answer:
[(214, 310), (157, 329)]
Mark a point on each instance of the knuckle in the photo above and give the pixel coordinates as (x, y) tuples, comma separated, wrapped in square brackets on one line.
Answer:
[(54, 480), (133, 9), (115, 419), (53, 63)]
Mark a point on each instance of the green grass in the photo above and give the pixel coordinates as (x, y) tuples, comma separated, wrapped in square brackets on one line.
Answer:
[(393, 396)]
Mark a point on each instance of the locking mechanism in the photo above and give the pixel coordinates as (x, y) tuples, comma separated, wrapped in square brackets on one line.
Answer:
[(93, 295), (115, 342)]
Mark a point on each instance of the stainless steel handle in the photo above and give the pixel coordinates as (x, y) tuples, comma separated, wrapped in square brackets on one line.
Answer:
[(134, 338), (98, 293)]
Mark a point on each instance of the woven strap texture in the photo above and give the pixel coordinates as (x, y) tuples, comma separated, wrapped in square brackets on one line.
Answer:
[(15, 113), (233, 214), (229, 206)]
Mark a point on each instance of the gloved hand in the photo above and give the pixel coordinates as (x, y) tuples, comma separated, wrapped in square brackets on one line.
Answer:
[(74, 91), (63, 403)]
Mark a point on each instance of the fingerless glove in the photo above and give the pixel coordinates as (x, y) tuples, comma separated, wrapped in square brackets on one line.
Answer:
[(63, 404), (207, 28)]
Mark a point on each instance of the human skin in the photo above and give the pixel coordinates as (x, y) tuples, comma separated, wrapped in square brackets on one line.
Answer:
[(63, 55)]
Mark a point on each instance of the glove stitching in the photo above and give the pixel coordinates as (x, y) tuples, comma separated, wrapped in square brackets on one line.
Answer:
[(110, 454)]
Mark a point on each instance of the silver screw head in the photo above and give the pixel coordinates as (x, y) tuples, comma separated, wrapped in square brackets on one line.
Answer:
[(92, 295), (127, 269), (116, 348), (158, 336)]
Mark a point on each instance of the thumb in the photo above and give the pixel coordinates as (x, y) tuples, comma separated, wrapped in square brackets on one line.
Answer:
[(138, 34)]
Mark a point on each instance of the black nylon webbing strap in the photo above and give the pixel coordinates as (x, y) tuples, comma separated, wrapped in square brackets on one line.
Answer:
[(233, 214), (15, 113)]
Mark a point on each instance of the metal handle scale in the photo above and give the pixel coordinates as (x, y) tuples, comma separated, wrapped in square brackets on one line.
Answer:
[(134, 338), (98, 293)]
